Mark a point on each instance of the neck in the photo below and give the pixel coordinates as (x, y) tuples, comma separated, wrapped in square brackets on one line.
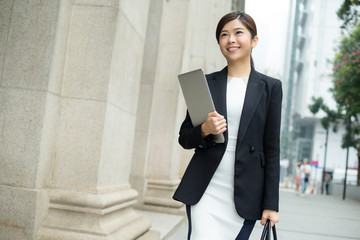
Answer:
[(239, 69)]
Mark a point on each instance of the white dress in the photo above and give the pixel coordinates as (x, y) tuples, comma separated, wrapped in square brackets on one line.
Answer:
[(214, 216)]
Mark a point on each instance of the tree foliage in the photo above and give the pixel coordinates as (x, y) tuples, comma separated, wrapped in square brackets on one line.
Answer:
[(346, 83), (349, 13), (331, 115), (346, 74), (354, 140)]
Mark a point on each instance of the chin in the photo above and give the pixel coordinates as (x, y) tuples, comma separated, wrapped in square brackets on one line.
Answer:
[(234, 60)]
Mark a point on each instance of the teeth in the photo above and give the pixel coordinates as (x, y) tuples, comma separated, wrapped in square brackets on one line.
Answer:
[(233, 48)]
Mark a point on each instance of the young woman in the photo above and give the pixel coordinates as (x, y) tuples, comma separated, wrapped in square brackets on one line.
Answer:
[(228, 186)]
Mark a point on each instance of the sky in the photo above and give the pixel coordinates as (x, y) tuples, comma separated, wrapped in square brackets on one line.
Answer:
[(271, 18)]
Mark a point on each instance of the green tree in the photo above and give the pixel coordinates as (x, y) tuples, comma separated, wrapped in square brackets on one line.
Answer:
[(346, 85), (346, 74), (330, 117)]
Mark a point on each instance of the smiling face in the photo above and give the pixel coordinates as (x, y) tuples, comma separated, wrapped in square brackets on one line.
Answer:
[(236, 43)]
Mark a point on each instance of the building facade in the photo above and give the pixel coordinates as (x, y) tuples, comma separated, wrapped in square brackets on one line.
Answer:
[(315, 35), (90, 109)]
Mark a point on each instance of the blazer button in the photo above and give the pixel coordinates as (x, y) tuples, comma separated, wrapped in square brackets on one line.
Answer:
[(252, 149)]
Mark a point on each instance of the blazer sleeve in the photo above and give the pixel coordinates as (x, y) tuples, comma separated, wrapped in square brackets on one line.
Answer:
[(190, 136), (272, 149)]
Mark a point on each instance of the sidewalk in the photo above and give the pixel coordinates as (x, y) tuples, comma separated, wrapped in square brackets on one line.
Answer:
[(313, 217)]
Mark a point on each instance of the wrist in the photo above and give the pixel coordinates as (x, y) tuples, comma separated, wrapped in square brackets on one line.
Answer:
[(203, 131)]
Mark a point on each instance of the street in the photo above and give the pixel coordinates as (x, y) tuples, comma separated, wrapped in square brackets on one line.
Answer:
[(313, 217)]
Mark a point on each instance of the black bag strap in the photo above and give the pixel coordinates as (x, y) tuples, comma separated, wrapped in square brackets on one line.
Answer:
[(266, 234), (274, 232)]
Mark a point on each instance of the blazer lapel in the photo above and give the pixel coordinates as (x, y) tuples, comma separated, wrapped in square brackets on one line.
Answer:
[(255, 87), (254, 90), (217, 85)]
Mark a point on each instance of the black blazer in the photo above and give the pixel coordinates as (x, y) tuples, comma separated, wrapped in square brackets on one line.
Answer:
[(257, 165)]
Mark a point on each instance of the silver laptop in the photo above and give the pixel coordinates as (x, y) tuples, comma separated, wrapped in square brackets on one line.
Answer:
[(198, 98)]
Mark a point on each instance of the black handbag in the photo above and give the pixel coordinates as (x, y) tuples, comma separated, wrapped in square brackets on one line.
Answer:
[(266, 234)]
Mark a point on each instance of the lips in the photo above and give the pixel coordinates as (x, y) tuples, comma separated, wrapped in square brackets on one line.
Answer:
[(232, 49)]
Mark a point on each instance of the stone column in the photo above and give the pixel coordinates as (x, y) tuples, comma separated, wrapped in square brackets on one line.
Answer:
[(141, 141), (91, 197), (163, 153), (29, 105)]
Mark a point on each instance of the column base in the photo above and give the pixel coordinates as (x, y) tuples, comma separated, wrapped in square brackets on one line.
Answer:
[(86, 216), (159, 194), (162, 209)]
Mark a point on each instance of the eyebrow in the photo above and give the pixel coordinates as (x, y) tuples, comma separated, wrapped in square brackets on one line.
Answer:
[(239, 28)]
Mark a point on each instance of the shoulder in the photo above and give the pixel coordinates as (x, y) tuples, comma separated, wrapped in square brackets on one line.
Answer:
[(270, 81), (211, 75), (273, 86), (217, 74)]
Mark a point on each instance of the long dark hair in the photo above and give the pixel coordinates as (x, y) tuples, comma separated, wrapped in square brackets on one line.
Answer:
[(244, 18)]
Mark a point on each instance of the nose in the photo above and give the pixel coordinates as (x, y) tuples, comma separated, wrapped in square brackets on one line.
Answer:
[(231, 38)]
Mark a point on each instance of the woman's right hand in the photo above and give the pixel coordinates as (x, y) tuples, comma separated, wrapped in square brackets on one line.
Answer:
[(214, 124)]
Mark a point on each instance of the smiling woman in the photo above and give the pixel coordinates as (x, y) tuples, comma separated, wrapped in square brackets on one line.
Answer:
[(228, 186)]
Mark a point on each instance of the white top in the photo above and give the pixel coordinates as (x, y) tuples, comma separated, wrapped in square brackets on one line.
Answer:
[(305, 169), (235, 96)]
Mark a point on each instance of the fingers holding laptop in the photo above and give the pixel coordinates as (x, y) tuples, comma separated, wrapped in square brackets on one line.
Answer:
[(214, 124)]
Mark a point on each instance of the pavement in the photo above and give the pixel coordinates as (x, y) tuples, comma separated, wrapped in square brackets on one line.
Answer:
[(313, 217)]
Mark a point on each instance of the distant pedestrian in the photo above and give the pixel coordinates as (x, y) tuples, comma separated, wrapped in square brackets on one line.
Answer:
[(305, 170), (297, 178), (327, 179)]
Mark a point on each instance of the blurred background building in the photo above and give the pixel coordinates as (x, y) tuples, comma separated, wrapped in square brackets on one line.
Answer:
[(90, 105), (313, 36)]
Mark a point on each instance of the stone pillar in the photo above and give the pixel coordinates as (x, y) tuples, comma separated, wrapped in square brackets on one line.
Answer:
[(163, 153), (141, 141), (29, 105), (155, 165), (70, 75), (91, 197)]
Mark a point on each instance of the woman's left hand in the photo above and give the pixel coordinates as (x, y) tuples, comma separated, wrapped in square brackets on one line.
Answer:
[(272, 215)]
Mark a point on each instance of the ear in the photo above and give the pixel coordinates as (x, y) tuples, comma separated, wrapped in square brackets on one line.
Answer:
[(254, 41)]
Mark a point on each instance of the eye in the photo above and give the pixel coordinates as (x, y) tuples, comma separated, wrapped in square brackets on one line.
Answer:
[(223, 35), (239, 32)]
